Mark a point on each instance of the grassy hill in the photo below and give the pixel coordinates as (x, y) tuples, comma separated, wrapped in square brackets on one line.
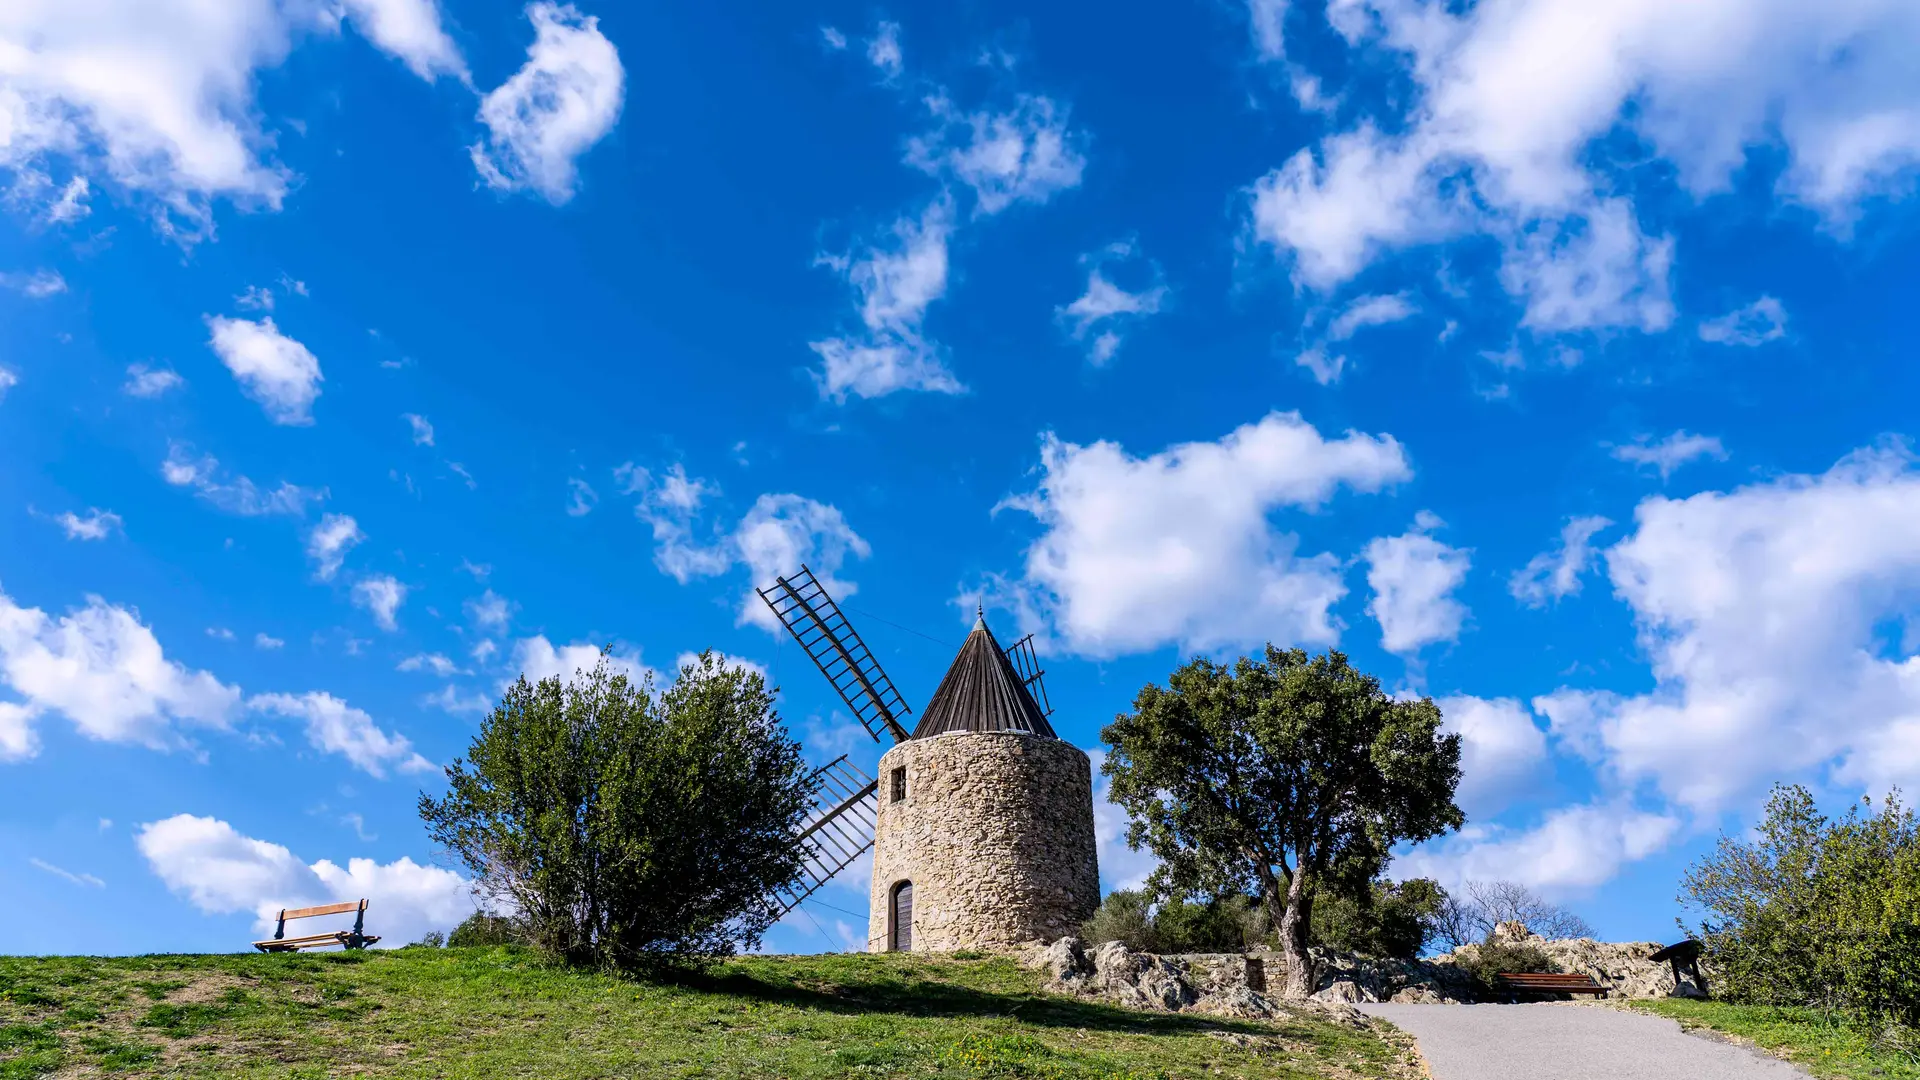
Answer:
[(501, 1012)]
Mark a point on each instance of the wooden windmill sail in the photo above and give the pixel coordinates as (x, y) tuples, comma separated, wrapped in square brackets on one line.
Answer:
[(846, 803)]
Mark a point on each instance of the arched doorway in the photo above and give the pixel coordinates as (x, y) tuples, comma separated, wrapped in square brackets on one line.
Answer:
[(900, 918)]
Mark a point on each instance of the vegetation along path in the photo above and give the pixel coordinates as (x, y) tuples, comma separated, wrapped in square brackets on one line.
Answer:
[(1569, 1042)]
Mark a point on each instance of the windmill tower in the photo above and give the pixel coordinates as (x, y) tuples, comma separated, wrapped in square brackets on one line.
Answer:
[(981, 823)]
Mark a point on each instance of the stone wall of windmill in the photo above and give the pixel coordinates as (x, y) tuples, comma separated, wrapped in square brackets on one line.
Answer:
[(995, 834)]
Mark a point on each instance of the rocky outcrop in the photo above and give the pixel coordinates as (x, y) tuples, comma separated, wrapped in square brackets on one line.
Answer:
[(1218, 983)]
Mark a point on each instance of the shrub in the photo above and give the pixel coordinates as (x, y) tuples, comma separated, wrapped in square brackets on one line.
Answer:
[(432, 939), (481, 928), (628, 830), (1814, 911), (1387, 919), (1496, 954), (1222, 924)]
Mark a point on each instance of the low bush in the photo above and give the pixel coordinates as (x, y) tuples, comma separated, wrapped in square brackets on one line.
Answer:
[(1495, 955), (482, 929), (1228, 923)]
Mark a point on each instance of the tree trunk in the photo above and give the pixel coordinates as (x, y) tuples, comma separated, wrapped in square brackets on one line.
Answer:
[(1295, 926)]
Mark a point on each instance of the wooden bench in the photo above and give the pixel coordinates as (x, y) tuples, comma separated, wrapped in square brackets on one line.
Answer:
[(352, 939), (1529, 982)]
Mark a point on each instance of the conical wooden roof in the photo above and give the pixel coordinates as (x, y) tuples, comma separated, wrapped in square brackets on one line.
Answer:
[(982, 692)]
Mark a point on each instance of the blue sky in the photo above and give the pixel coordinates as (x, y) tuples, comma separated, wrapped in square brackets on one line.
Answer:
[(358, 355)]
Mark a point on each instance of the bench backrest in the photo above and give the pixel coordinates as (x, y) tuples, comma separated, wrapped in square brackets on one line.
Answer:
[(358, 907), (1542, 978)]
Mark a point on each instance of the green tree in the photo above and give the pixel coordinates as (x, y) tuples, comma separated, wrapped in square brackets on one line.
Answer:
[(628, 829), (1394, 919), (1277, 777), (1814, 910)]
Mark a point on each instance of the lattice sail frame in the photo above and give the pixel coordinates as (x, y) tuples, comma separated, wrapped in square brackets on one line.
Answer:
[(803, 606), (1027, 663), (837, 835)]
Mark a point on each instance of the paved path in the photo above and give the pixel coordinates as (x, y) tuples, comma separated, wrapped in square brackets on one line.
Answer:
[(1569, 1042)]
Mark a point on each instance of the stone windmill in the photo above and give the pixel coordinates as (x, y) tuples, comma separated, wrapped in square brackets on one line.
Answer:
[(981, 823)]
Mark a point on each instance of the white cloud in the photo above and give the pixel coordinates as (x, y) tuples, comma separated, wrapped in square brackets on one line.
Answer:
[(434, 662), (779, 533), (382, 596), (273, 369), (1025, 154), (1762, 321), (221, 871), (1413, 577), (537, 658), (239, 496), (895, 284), (832, 38), (1780, 624), (157, 96), (1510, 100), (490, 612), (8, 380), (145, 382), (411, 31), (1326, 370), (334, 727), (883, 49), (255, 299), (1179, 547), (450, 700), (670, 505), (86, 880), (421, 429), (267, 642), (1555, 575), (17, 739), (97, 525), (1106, 307), (580, 497), (564, 100), (328, 543), (38, 285), (1268, 21), (1670, 453), (1368, 311), (1501, 750), (219, 633), (1574, 848), (104, 670)]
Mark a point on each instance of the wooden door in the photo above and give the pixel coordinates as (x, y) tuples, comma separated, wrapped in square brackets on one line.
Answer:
[(903, 917)]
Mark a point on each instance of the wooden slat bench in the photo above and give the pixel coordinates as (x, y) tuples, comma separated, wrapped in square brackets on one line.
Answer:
[(355, 938), (1530, 982)]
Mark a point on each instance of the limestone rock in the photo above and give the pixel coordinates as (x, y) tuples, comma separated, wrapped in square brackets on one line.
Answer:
[(1342, 990)]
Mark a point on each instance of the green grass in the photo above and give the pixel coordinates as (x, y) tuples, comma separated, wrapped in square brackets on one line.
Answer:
[(503, 1013), (1823, 1044)]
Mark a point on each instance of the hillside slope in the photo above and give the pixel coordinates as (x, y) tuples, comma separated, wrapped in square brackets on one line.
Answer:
[(501, 1012)]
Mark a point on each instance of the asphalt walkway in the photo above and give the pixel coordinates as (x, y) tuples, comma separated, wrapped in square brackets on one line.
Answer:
[(1569, 1042)]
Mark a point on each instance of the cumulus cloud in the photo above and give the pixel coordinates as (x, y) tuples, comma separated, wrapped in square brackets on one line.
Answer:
[(102, 669), (273, 369), (422, 430), (146, 382), (1413, 577), (267, 642), (1668, 454), (565, 99), (8, 380), (1491, 140), (883, 49), (157, 97), (334, 727), (489, 612), (580, 497), (1762, 321), (1178, 547), (381, 595), (1105, 311), (1555, 575), (1023, 154), (221, 871), (1501, 751), (1372, 310), (434, 662), (238, 496), (97, 525), (35, 286), (896, 280), (1779, 622), (1572, 849), (328, 543), (537, 658)]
